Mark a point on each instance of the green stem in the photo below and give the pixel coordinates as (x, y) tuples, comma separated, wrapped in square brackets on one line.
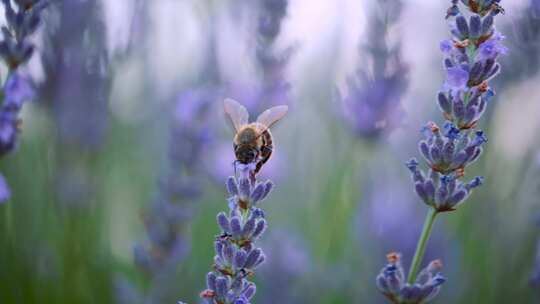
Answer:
[(421, 247)]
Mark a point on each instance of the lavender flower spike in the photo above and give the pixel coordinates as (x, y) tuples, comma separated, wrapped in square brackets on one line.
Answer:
[(372, 106), (470, 60), (237, 256), (391, 282), (16, 49)]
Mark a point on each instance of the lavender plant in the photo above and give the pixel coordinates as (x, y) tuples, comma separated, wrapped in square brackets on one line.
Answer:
[(535, 275), (167, 242), (237, 255), (372, 106), (470, 60), (524, 38), (23, 18), (271, 86)]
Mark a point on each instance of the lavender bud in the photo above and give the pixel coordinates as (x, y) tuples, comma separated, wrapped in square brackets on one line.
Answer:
[(259, 229), (236, 227), (463, 28), (252, 258), (211, 281), (257, 193), (249, 291), (475, 23), (232, 187), (221, 287), (249, 227), (223, 222), (487, 25), (240, 259), (244, 188)]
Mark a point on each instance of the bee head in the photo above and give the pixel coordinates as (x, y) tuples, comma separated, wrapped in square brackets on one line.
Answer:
[(246, 154)]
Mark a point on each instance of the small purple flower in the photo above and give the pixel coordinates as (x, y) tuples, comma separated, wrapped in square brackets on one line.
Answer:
[(457, 78), (8, 130), (442, 192), (446, 46), (450, 149), (492, 48), (5, 193), (391, 282), (17, 89)]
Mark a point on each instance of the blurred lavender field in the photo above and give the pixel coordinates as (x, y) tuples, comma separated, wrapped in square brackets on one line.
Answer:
[(109, 192)]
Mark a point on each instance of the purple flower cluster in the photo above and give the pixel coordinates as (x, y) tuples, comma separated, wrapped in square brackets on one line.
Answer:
[(165, 219), (392, 283), (470, 60), (77, 89), (535, 276), (372, 106), (525, 38), (237, 256), (271, 86), (16, 49)]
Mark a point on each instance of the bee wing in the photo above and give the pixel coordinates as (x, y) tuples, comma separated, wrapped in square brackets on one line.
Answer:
[(272, 115), (237, 113)]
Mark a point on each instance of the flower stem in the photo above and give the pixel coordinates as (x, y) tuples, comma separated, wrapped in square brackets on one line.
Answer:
[(421, 247)]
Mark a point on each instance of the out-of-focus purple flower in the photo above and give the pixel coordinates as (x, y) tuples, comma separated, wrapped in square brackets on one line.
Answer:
[(288, 260), (179, 188), (18, 89), (372, 104), (5, 193), (524, 37), (271, 86), (8, 130), (392, 283), (79, 78), (23, 21), (16, 49)]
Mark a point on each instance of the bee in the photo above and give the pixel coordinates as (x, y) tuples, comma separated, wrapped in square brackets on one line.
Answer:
[(253, 142), (497, 8)]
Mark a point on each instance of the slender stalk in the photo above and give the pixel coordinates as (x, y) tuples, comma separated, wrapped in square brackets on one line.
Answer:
[(421, 247)]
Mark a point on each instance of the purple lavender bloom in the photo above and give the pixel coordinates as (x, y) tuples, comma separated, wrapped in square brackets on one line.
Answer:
[(18, 89), (535, 276), (79, 76), (372, 105), (15, 50), (271, 86), (288, 261), (470, 63), (391, 282), (457, 78), (524, 37), (5, 193), (442, 192), (179, 189), (22, 21), (450, 149), (237, 256)]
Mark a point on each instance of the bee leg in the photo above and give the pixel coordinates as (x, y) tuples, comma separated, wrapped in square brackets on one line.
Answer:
[(266, 152)]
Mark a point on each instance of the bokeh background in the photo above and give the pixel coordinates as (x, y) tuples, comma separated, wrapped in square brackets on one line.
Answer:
[(121, 165)]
